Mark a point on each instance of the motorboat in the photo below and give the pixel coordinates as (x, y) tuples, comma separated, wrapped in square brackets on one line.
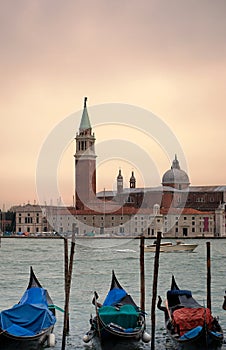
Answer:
[(167, 247)]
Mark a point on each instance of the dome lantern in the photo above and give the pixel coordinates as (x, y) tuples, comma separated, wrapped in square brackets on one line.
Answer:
[(175, 177)]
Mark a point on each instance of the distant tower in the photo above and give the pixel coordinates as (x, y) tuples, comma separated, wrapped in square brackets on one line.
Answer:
[(119, 182), (132, 181), (85, 163)]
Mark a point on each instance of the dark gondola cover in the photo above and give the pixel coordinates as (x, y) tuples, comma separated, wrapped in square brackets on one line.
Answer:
[(28, 324), (190, 325), (118, 318)]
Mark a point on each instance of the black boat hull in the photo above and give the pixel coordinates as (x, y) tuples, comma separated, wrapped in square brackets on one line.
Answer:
[(9, 342), (115, 343), (202, 342)]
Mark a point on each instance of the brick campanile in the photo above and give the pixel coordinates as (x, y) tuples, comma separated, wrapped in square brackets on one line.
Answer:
[(85, 163)]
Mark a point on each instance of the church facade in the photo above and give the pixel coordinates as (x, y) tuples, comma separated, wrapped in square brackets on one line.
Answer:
[(175, 208)]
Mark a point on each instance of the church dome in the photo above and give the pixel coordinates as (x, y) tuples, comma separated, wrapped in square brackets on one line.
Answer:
[(175, 177)]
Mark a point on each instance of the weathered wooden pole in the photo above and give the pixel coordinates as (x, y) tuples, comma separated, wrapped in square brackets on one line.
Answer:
[(154, 289), (224, 302), (66, 274), (208, 276), (65, 262), (68, 270), (142, 274)]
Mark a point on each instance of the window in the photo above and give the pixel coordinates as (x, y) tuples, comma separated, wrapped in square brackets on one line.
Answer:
[(28, 220)]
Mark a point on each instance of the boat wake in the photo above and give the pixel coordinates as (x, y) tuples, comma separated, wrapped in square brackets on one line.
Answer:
[(126, 250)]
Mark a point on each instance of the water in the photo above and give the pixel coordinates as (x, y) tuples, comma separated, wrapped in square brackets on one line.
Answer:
[(93, 262)]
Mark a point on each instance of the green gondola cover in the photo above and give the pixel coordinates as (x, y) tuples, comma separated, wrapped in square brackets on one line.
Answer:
[(126, 316)]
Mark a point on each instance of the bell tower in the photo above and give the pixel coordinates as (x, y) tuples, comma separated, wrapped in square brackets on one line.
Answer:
[(119, 182), (85, 163), (132, 181)]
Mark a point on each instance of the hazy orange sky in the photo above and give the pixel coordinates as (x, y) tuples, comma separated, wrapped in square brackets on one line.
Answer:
[(167, 57)]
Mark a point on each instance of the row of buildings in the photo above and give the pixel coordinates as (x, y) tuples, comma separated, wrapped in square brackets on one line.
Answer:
[(174, 208)]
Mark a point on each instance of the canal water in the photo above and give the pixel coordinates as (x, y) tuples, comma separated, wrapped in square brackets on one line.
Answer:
[(94, 261)]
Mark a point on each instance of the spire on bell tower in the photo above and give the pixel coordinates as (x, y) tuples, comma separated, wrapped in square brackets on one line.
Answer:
[(85, 122)]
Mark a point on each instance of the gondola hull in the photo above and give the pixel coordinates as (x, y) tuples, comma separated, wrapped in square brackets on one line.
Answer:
[(203, 341), (10, 342), (112, 333)]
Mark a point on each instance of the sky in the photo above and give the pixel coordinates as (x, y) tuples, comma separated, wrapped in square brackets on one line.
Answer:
[(167, 57)]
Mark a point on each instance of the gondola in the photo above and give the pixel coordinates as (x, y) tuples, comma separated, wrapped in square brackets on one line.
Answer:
[(190, 325), (29, 324), (117, 320)]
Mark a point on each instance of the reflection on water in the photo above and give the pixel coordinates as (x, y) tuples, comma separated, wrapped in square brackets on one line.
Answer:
[(93, 262)]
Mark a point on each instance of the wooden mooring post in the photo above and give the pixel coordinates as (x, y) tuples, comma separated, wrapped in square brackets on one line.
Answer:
[(208, 276), (154, 289), (142, 274), (68, 276)]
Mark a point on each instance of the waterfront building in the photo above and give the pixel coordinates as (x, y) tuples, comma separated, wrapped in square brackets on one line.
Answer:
[(174, 208)]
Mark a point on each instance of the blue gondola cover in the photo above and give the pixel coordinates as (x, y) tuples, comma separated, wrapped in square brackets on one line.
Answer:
[(114, 296), (30, 316)]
